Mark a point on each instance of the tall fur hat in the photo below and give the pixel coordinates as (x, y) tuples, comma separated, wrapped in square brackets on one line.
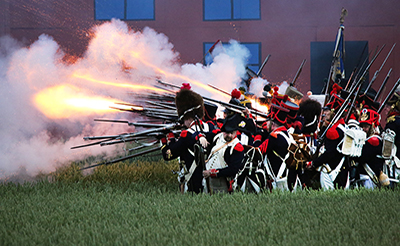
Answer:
[(310, 110), (189, 104)]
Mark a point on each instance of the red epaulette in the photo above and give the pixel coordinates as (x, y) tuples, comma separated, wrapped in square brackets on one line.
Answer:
[(374, 141), (332, 133), (184, 133), (238, 133), (216, 131), (239, 147)]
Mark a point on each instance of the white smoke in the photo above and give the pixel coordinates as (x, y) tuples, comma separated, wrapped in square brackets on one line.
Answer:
[(257, 86), (34, 143)]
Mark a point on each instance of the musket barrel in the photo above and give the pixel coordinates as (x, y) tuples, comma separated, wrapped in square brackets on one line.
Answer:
[(388, 96), (378, 71), (298, 73), (123, 158), (263, 65), (383, 85)]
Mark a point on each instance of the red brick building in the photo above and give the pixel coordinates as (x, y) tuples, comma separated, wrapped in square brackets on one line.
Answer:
[(288, 30)]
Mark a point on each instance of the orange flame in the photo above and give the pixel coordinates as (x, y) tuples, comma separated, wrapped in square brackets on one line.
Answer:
[(257, 105), (66, 101), (123, 85)]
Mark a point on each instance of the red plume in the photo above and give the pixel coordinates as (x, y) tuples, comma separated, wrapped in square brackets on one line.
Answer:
[(236, 93), (186, 86)]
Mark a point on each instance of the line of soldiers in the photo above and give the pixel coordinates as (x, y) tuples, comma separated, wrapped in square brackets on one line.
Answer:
[(285, 150)]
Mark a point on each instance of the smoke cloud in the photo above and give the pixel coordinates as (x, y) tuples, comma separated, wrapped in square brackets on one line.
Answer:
[(33, 142)]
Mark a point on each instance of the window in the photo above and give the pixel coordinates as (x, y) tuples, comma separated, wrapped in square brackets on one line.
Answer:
[(321, 61), (231, 9), (253, 61), (124, 9)]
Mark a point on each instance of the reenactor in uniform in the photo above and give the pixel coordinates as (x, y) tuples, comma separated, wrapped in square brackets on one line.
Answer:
[(245, 134), (225, 158), (393, 119), (190, 107), (275, 147), (370, 163), (333, 171)]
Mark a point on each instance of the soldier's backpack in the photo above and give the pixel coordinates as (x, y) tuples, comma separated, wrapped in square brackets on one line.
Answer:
[(299, 152)]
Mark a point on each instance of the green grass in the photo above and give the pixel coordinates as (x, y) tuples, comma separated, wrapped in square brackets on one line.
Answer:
[(139, 204)]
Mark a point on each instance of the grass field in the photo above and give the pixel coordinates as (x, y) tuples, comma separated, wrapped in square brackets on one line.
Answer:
[(139, 205)]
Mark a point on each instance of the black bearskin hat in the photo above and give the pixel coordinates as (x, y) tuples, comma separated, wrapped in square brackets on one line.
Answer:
[(189, 104), (310, 110)]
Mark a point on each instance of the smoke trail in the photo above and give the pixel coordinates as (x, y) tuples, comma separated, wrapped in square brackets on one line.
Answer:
[(32, 143)]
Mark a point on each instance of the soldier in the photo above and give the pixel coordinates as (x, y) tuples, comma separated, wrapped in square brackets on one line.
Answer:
[(275, 147), (245, 134), (393, 125), (190, 107), (226, 155), (331, 162), (393, 119), (370, 163)]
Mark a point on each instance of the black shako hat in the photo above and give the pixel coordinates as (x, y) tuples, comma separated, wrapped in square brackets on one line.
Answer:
[(233, 123), (278, 114)]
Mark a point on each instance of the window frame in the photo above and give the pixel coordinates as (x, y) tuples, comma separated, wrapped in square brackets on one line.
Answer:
[(125, 13), (205, 52), (232, 13)]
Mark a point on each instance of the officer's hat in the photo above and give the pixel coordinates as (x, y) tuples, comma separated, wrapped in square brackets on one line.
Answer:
[(189, 104), (233, 123), (370, 117)]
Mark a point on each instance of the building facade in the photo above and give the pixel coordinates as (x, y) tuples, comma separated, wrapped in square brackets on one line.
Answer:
[(290, 31)]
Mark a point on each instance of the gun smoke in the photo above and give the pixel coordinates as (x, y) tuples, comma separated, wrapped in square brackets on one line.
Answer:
[(33, 143)]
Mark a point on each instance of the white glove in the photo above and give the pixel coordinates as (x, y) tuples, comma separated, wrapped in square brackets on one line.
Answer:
[(203, 141)]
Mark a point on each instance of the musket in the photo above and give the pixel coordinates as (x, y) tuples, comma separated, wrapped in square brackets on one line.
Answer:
[(383, 85), (144, 110), (209, 51), (346, 102), (163, 105), (378, 71), (130, 136), (218, 89), (255, 112), (168, 84), (364, 76), (132, 123), (123, 158), (355, 77), (298, 73), (356, 67), (389, 96), (263, 65)]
